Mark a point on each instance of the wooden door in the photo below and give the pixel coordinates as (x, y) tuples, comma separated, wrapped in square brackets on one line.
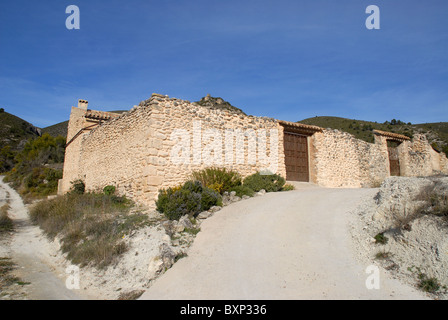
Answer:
[(394, 161), (296, 157)]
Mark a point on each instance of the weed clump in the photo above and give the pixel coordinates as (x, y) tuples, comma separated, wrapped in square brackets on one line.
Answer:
[(427, 283), (6, 223), (288, 187), (109, 190), (380, 238), (91, 226)]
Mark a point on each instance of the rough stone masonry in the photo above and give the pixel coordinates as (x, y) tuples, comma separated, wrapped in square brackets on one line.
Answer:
[(158, 143)]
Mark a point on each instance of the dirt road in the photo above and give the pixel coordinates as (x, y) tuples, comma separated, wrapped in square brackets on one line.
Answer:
[(30, 251), (290, 245)]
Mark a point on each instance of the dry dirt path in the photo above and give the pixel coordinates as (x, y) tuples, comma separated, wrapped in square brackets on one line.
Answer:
[(31, 252), (289, 245)]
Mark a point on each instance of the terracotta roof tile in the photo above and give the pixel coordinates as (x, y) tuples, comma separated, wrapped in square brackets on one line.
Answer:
[(391, 135), (300, 126), (100, 115)]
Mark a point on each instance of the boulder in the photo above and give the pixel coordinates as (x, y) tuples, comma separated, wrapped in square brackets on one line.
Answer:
[(155, 267), (167, 255), (185, 222), (215, 209), (228, 198), (170, 227), (205, 215)]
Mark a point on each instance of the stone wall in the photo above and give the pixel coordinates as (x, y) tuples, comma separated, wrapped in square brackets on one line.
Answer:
[(160, 142), (420, 159), (73, 150), (340, 160)]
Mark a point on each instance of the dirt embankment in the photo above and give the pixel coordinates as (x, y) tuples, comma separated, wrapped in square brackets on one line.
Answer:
[(404, 229)]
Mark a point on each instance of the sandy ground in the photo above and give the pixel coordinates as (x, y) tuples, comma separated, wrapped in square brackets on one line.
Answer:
[(289, 245), (34, 255)]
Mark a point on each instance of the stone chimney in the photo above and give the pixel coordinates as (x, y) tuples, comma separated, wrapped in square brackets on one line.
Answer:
[(83, 104)]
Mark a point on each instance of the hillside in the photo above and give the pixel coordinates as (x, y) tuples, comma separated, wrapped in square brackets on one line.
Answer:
[(437, 133), (14, 131), (59, 129)]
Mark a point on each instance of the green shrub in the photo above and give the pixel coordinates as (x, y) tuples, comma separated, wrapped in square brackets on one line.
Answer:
[(445, 150), (42, 150), (78, 187), (189, 199), (288, 187), (41, 181), (243, 191), (109, 190), (209, 198), (269, 182), (182, 202), (218, 179), (380, 238), (193, 186), (163, 199), (428, 284), (31, 175), (6, 159)]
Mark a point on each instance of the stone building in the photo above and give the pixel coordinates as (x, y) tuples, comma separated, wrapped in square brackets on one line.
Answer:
[(160, 142)]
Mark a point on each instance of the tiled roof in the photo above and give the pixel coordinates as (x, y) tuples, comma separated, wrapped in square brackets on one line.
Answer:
[(300, 126), (100, 115), (391, 135)]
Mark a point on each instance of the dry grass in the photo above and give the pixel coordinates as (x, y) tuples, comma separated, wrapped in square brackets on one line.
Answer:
[(91, 226), (132, 295), (434, 201), (6, 223), (435, 197), (8, 281)]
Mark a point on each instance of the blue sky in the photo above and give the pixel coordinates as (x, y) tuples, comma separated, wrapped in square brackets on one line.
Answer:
[(284, 59)]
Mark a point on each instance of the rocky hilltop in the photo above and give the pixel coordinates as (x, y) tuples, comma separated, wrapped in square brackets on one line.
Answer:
[(218, 103)]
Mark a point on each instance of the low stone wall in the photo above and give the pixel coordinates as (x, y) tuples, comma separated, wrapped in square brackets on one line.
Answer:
[(340, 160), (420, 159)]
